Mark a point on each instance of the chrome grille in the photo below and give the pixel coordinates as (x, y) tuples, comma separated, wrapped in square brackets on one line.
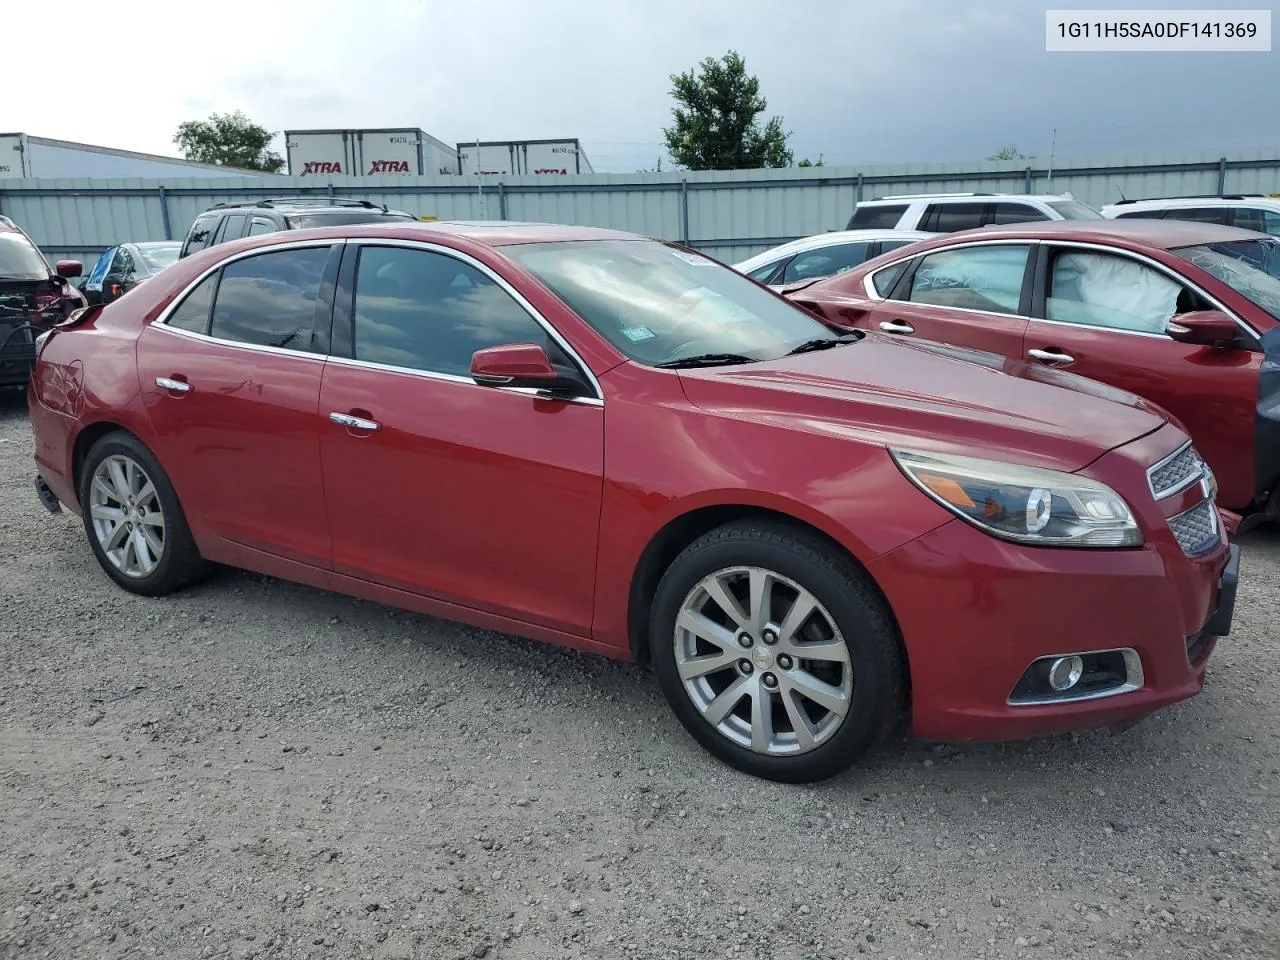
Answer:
[(1176, 472), (1196, 529)]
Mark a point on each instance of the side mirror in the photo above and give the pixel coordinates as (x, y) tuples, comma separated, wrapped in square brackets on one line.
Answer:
[(514, 365), (69, 268), (1211, 328)]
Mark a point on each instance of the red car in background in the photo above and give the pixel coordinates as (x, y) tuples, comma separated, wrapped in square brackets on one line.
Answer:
[(1184, 314), (619, 445)]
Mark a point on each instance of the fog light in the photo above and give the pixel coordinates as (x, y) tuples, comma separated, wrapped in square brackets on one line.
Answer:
[(1065, 673)]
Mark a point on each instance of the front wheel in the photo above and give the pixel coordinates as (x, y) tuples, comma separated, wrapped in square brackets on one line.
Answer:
[(775, 652), (133, 519)]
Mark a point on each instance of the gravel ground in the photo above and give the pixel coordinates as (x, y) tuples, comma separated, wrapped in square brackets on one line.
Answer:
[(254, 768)]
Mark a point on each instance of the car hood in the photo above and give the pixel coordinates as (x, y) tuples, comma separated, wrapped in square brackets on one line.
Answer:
[(932, 397)]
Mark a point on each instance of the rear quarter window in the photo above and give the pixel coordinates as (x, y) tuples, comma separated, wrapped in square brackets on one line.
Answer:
[(200, 234), (881, 216)]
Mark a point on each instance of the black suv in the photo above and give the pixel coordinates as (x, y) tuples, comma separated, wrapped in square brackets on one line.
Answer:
[(33, 298), (230, 221)]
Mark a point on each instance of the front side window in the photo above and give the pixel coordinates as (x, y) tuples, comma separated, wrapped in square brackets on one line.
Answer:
[(201, 232), (987, 278), (657, 304), (269, 300), (1104, 290), (19, 259), (260, 226), (880, 216), (232, 228), (1249, 267), (950, 217), (122, 267), (1016, 213), (429, 311), (762, 274), (825, 262)]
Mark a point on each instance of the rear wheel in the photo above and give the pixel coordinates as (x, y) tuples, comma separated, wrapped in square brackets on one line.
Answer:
[(775, 652), (135, 525)]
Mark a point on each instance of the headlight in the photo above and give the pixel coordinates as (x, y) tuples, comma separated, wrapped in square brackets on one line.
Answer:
[(1025, 504)]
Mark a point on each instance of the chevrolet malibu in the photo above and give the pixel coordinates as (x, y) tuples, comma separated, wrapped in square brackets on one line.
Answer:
[(619, 445)]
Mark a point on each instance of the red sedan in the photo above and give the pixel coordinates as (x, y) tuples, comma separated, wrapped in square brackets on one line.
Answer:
[(621, 446), (1184, 314)]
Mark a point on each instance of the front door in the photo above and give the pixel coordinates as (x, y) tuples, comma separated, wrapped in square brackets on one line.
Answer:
[(231, 381), (966, 296), (481, 496), (1103, 316)]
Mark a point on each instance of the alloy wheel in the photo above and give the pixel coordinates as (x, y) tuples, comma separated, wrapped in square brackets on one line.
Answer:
[(763, 661), (127, 517)]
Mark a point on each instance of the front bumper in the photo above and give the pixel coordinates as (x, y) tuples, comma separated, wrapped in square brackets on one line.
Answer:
[(975, 612)]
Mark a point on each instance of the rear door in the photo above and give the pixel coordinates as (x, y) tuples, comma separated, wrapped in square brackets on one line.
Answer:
[(1102, 314), (231, 381), (973, 296)]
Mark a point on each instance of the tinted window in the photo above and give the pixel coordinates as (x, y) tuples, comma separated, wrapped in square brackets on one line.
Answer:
[(825, 262), (193, 313), (1103, 290), (976, 278), (260, 226), (340, 217), (762, 274), (122, 266), (201, 232), (887, 245), (270, 300), (1140, 215), (881, 216), (1200, 214), (1016, 213), (429, 311), (232, 227), (1075, 210), (1263, 221), (883, 280), (19, 260), (949, 217)]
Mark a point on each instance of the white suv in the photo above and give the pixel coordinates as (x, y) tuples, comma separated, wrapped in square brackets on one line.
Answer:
[(949, 212), (1249, 212)]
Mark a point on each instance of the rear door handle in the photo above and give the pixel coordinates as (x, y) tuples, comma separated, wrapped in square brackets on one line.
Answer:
[(355, 423), (177, 386), (1051, 356), (896, 326)]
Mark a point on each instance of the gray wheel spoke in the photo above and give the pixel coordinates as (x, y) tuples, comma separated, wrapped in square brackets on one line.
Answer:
[(832, 651), (116, 537), (142, 552), (717, 592), (118, 479), (154, 519), (103, 512), (102, 486), (152, 542), (799, 722), (710, 663), (761, 721), (760, 590), (719, 708), (147, 492), (820, 692), (708, 630), (801, 609)]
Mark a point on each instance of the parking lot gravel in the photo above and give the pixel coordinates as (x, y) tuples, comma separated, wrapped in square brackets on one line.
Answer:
[(257, 769)]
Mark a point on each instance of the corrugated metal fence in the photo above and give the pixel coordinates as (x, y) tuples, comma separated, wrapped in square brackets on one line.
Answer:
[(729, 215)]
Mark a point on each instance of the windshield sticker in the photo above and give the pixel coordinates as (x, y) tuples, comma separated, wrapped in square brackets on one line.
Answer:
[(636, 334), (694, 259)]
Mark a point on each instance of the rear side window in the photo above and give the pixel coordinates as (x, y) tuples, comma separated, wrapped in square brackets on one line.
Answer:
[(881, 216), (1140, 215), (1262, 221), (1200, 214), (987, 278), (260, 226), (887, 245), (192, 314), (1016, 213), (825, 262), (232, 228), (201, 233), (950, 217), (270, 300)]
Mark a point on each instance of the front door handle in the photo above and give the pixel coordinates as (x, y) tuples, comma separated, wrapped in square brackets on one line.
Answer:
[(896, 326), (355, 423), (176, 386), (1051, 356)]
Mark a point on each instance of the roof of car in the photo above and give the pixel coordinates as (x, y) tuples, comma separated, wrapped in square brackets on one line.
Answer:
[(820, 240), (492, 233), (1154, 233), (964, 197)]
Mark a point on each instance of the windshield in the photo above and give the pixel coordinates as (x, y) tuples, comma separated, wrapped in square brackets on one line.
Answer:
[(1075, 210), (658, 304), (339, 218), (1249, 267), (19, 260), (157, 256)]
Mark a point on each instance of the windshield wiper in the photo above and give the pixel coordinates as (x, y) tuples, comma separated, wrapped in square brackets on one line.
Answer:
[(705, 360), (823, 343)]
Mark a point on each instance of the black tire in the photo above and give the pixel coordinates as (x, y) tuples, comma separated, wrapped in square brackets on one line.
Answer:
[(180, 562), (853, 603)]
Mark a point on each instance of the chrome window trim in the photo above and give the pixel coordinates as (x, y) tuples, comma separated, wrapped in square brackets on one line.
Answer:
[(454, 378), (1134, 679), (161, 321), (511, 291), (870, 290), (1174, 491)]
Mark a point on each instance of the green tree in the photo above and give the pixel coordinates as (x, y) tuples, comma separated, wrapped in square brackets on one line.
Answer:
[(1011, 153), (228, 140), (806, 162), (715, 124)]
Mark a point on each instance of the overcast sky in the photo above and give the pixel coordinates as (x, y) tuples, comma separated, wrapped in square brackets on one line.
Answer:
[(857, 81)]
